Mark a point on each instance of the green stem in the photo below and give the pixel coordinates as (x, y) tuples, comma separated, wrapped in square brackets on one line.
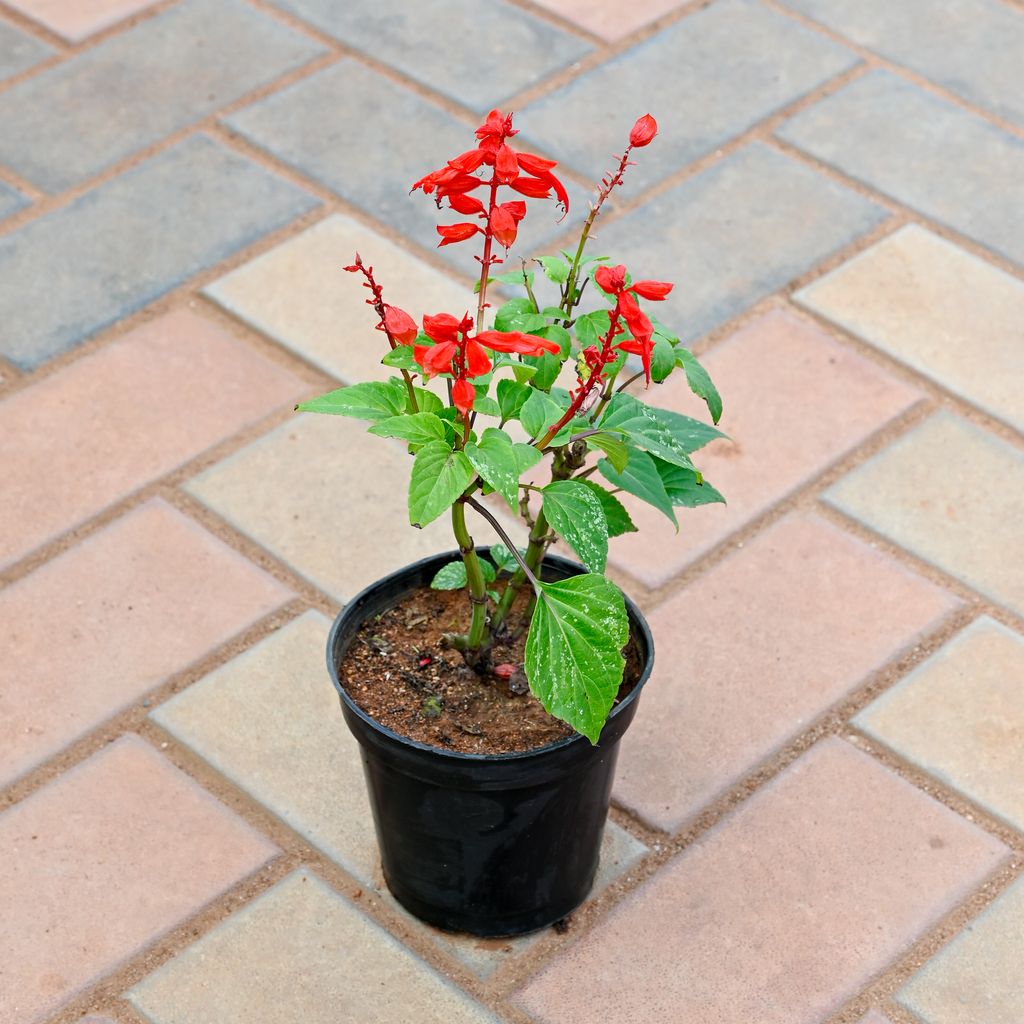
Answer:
[(534, 553), (477, 636)]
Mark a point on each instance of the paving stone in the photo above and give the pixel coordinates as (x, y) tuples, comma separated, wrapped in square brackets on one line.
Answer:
[(939, 309), (971, 47), (952, 494), (515, 48), (780, 913), (118, 247), (928, 154), (70, 444), (608, 18), (874, 1017), (775, 635), (735, 233), (11, 200), (99, 864), (303, 939), (298, 295), (301, 762), (311, 126), (977, 976), (122, 609), (88, 113), (960, 716), (309, 492), (718, 72), (75, 20), (795, 401), (19, 51)]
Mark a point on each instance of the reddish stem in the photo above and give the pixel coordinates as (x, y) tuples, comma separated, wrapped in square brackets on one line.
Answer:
[(485, 260)]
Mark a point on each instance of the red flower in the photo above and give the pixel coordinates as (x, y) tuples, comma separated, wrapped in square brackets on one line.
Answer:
[(643, 131), (400, 325), (455, 232), (463, 395)]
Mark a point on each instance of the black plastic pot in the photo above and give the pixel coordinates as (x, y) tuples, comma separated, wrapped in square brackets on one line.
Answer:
[(497, 844)]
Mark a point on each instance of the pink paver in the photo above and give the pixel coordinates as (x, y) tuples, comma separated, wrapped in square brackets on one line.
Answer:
[(782, 912), (99, 626), (795, 401), (106, 425), (76, 19), (101, 863), (874, 1017), (748, 655), (608, 18)]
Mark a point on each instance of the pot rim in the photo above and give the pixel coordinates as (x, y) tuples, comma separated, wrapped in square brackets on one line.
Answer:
[(638, 626)]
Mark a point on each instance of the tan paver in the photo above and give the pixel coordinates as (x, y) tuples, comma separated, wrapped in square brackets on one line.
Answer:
[(783, 911), (329, 501), (951, 493), (960, 716), (136, 409), (942, 311), (977, 978), (609, 19), (298, 294), (76, 19), (754, 651), (795, 401), (301, 954), (99, 864), (874, 1017), (107, 621)]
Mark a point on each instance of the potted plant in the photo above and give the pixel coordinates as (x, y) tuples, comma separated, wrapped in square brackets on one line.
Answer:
[(489, 688)]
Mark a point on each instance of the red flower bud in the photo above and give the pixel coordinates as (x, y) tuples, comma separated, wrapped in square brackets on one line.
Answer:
[(516, 208), (464, 204), (643, 131), (654, 290), (455, 232), (506, 167), (463, 395), (400, 325), (532, 187), (534, 164), (503, 226)]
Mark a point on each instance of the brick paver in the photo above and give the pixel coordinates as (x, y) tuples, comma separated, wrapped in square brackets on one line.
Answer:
[(783, 911), (966, 522), (100, 626), (11, 200), (115, 249), (608, 18), (18, 51), (874, 1017), (69, 445), (101, 863), (935, 157), (303, 940), (977, 976), (942, 311), (960, 715), (56, 129), (779, 374), (75, 20)]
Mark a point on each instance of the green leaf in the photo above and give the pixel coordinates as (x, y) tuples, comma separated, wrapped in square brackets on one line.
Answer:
[(554, 313), (556, 333), (640, 478), (546, 369), (591, 327), (643, 428), (700, 382), (612, 445), (416, 428), (690, 434), (486, 406), (555, 269), (511, 398), (373, 400), (494, 458), (663, 359), (439, 476), (614, 511), (574, 661), (453, 575), (402, 357), (575, 512), (503, 559), (508, 277), (524, 373), (526, 456), (686, 488), (539, 412), (518, 315), (427, 401)]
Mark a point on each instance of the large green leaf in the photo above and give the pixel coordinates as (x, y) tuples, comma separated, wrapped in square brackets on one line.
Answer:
[(427, 401), (686, 488), (503, 559), (612, 445), (401, 356), (416, 428), (511, 398), (372, 400), (689, 433), (614, 511), (640, 478), (439, 476), (453, 575), (575, 512), (546, 368), (574, 661), (539, 412), (663, 358), (700, 382), (494, 458), (555, 268), (643, 428)]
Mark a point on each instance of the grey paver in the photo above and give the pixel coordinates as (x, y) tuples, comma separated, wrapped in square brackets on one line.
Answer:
[(735, 233), (129, 240), (311, 126), (301, 954), (11, 200), (18, 51), (928, 154), (706, 79), (476, 54), (84, 115), (971, 47), (976, 979)]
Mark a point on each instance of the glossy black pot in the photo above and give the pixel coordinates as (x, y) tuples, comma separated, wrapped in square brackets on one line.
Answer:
[(497, 844)]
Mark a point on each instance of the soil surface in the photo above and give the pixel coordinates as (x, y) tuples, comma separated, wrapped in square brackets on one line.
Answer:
[(400, 671)]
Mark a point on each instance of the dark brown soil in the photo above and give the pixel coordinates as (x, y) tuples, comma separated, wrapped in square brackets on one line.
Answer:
[(400, 672)]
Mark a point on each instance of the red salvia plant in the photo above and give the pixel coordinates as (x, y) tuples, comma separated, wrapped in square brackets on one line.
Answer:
[(578, 627)]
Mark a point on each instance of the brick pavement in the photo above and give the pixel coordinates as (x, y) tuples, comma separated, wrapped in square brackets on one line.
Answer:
[(818, 816)]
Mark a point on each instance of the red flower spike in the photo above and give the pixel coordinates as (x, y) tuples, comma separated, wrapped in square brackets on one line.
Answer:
[(653, 290), (463, 395), (506, 166), (497, 126), (400, 325), (503, 226), (643, 131), (455, 232), (464, 204)]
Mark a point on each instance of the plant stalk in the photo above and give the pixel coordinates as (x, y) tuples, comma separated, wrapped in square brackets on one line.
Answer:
[(477, 639)]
